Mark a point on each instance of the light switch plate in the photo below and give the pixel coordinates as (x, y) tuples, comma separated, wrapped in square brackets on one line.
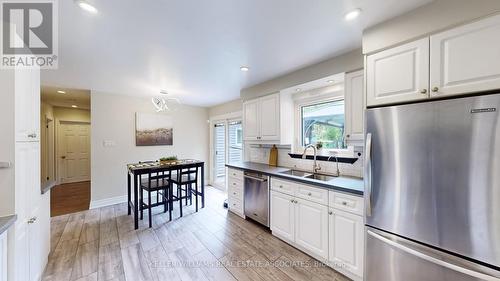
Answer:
[(109, 143)]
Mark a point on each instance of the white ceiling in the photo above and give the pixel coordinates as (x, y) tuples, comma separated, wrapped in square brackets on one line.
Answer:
[(80, 98), (193, 49)]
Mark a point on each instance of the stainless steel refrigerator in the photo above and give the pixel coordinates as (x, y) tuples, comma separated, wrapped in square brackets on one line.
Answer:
[(432, 176)]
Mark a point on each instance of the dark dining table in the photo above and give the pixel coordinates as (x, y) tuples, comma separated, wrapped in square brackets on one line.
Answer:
[(135, 172)]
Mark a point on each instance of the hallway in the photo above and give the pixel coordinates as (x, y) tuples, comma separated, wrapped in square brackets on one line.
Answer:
[(69, 198)]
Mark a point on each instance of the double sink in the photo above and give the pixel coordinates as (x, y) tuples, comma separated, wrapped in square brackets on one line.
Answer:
[(302, 174)]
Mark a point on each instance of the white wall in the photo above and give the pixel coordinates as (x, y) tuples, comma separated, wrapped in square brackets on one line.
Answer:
[(113, 119), (71, 114), (225, 108), (7, 142), (427, 19), (343, 63)]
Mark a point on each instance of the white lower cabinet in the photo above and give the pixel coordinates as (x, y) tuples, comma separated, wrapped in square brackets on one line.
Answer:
[(346, 242), (283, 216), (3, 256), (311, 231), (236, 192), (322, 230), (32, 229)]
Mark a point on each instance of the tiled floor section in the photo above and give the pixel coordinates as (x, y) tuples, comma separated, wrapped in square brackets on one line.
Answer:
[(212, 244)]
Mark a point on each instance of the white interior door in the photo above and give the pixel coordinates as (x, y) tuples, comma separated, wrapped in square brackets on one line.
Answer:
[(74, 152)]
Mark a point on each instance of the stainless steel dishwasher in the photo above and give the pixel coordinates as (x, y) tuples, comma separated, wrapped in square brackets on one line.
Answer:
[(257, 197)]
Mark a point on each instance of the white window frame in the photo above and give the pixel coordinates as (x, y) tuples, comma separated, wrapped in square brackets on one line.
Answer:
[(308, 101)]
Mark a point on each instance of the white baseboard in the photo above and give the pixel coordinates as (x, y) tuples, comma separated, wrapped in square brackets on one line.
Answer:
[(108, 202)]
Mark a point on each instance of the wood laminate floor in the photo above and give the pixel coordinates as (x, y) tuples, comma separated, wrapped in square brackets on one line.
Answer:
[(213, 244), (69, 198)]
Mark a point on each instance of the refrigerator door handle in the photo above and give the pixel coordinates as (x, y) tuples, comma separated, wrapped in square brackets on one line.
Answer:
[(368, 175), (431, 259)]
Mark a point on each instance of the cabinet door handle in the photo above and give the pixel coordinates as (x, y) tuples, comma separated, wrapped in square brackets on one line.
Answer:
[(344, 203), (435, 89), (32, 220), (5, 165), (330, 213), (32, 135), (423, 91), (310, 194)]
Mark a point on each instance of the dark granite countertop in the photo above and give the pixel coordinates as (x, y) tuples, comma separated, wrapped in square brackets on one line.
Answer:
[(343, 183), (6, 222)]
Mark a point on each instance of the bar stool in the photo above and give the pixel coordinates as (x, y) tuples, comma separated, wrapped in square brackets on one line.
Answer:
[(185, 180), (159, 183)]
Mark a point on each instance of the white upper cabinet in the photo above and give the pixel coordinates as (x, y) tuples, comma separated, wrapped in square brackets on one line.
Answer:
[(27, 104), (466, 59), (354, 105), (398, 74), (457, 61), (251, 119), (270, 117)]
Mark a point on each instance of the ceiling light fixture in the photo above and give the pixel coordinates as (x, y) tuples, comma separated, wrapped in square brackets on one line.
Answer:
[(352, 15), (330, 81), (74, 106), (61, 92), (298, 90), (161, 103), (244, 68), (86, 6)]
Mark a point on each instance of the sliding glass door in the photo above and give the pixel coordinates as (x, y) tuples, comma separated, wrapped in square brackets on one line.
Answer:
[(235, 144), (227, 148), (219, 154)]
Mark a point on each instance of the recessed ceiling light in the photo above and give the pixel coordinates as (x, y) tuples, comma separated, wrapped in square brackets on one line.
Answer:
[(61, 92), (163, 92), (244, 68), (352, 14), (87, 6), (74, 106), (298, 90), (330, 81)]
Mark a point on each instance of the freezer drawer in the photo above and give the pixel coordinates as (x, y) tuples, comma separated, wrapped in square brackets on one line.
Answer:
[(391, 258)]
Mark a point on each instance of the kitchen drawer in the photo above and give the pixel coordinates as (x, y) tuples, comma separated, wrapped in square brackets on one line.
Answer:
[(232, 182), (238, 174), (235, 206), (283, 186), (235, 192), (346, 202), (312, 194)]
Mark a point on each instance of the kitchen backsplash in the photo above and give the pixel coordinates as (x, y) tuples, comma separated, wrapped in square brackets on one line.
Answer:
[(261, 155)]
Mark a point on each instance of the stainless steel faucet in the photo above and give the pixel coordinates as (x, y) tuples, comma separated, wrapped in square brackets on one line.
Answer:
[(316, 168), (337, 161)]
